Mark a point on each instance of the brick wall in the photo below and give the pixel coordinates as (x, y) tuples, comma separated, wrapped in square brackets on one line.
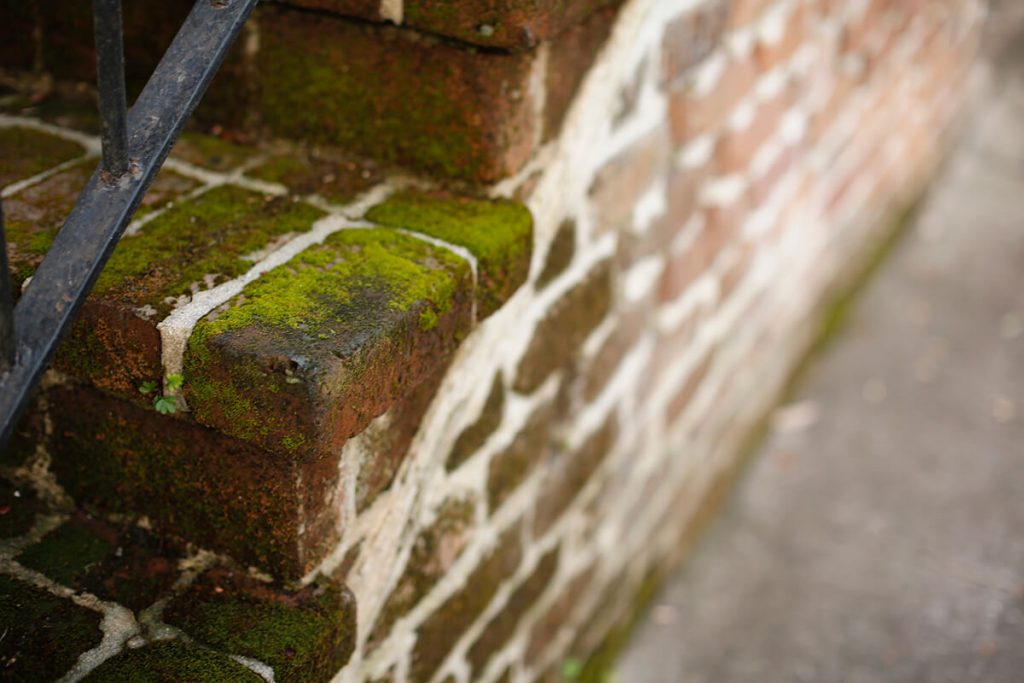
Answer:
[(723, 167), (703, 176)]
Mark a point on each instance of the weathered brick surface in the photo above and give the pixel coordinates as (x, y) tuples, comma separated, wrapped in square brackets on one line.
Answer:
[(435, 637), (560, 253), (690, 38), (569, 60), (366, 309), (624, 179), (512, 465), (434, 551), (499, 234), (474, 436), (503, 625), (568, 323), (471, 120), (191, 481), (569, 473), (692, 113), (386, 444)]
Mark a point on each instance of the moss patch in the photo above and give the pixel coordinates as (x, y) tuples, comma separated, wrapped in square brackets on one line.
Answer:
[(24, 152), (210, 151), (337, 179), (305, 636), (435, 107), (44, 634), (498, 233), (66, 552), (33, 216), (198, 244), (171, 661), (307, 293), (192, 482), (280, 342)]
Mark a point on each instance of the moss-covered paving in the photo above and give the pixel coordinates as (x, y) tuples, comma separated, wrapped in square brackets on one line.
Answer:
[(498, 233), (305, 636), (198, 245), (335, 178), (44, 634), (294, 343), (25, 152), (171, 661), (35, 215)]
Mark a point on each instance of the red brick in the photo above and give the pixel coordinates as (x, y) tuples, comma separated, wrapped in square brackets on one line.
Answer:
[(569, 473), (736, 148), (567, 324), (438, 634), (682, 397), (770, 55), (693, 115), (691, 37), (746, 11), (192, 482), (395, 95), (623, 180), (569, 60)]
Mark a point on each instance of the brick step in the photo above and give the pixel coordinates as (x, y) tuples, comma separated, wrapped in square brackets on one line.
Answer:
[(262, 309), (472, 99), (139, 607)]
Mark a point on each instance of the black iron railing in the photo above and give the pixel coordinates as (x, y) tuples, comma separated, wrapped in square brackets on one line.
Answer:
[(135, 144)]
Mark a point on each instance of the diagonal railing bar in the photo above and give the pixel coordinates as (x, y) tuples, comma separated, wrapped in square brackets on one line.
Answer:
[(106, 205)]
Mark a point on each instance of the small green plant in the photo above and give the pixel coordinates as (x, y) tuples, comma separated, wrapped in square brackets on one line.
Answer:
[(165, 404)]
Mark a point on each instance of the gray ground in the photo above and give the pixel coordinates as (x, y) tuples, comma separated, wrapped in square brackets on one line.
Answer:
[(879, 535)]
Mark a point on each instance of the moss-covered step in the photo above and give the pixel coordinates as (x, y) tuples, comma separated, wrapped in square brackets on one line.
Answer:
[(394, 95), (507, 24), (305, 636), (309, 353), (190, 482)]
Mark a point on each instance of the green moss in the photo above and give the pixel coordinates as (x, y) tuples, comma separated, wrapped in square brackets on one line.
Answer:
[(171, 661), (44, 634), (329, 301), (333, 177), (211, 152), (208, 236), (491, 230), (192, 482), (24, 152), (308, 292), (498, 233), (314, 72), (66, 552), (304, 638), (34, 216)]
